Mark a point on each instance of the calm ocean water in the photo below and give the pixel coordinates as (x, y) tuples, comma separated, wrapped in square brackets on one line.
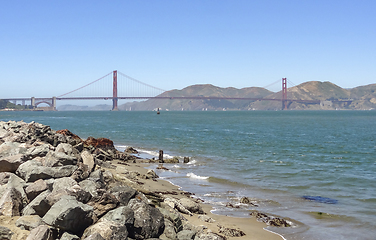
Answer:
[(274, 158)]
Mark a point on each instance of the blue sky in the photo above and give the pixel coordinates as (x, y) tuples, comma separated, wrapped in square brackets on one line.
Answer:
[(48, 48)]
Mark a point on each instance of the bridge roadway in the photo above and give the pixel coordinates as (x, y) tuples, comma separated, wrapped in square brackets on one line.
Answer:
[(193, 97), (52, 101)]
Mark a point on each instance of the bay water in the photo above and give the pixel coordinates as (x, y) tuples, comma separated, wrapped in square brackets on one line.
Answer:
[(315, 168)]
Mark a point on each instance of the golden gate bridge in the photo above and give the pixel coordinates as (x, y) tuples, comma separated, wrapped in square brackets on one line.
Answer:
[(125, 87)]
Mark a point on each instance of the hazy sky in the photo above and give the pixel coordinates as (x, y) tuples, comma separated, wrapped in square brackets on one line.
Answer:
[(48, 48)]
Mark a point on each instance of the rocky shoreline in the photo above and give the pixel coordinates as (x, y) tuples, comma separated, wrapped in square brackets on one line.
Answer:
[(55, 185)]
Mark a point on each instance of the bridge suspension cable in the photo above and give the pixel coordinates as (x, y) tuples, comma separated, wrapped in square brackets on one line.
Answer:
[(278, 81), (145, 84), (85, 85), (291, 83)]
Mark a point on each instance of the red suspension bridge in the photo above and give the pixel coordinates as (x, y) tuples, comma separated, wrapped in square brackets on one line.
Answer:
[(125, 87)]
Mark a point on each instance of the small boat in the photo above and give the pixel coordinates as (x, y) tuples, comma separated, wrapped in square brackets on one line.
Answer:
[(158, 112)]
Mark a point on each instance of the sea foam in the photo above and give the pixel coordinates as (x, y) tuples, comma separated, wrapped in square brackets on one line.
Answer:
[(194, 176)]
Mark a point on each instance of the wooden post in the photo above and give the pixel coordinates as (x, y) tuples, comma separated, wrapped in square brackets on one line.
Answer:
[(160, 156)]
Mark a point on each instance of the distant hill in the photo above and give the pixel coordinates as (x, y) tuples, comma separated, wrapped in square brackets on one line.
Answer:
[(200, 104), (329, 95)]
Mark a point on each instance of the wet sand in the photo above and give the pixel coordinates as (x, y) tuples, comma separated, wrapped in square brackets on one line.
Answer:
[(250, 226)]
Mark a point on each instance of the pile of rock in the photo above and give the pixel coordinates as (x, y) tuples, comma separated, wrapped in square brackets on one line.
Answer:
[(57, 186)]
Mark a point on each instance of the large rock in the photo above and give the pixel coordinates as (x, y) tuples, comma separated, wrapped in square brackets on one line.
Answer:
[(109, 230), (81, 173), (88, 160), (11, 202), (186, 235), (5, 233), (149, 221), (11, 163), (69, 215), (230, 232), (38, 206), (102, 143), (35, 189), (13, 181), (37, 151), (97, 177), (91, 187), (29, 222), (55, 159), (122, 215), (123, 194), (191, 206), (173, 215), (169, 230), (208, 236), (71, 138), (94, 236), (4, 177), (63, 183), (33, 170), (75, 191), (42, 232), (105, 203), (11, 148), (68, 236)]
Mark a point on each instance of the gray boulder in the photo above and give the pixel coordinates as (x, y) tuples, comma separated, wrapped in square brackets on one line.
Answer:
[(37, 151), (55, 159), (122, 215), (108, 230), (97, 177), (151, 174), (54, 197), (79, 193), (13, 181), (81, 173), (29, 222), (33, 170), (191, 206), (123, 194), (63, 183), (69, 215), (209, 236), (68, 236), (38, 206), (149, 221), (11, 148), (11, 163), (174, 216), (4, 177), (90, 186), (186, 235), (169, 230), (94, 236), (10, 202), (42, 232), (88, 160), (35, 189), (230, 232), (5, 233)]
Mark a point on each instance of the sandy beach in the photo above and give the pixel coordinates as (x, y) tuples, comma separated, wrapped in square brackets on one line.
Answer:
[(250, 226)]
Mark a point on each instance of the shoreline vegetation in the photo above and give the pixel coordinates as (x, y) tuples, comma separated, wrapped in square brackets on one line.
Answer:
[(55, 185)]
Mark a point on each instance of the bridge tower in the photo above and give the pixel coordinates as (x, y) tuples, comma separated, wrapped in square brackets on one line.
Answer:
[(284, 94), (114, 92)]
